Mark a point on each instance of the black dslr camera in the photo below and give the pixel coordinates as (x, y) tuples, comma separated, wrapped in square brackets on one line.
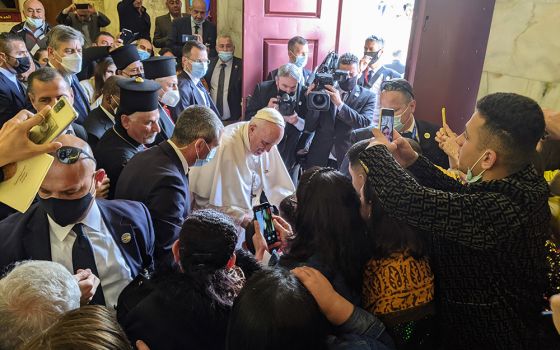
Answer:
[(286, 104), (326, 74)]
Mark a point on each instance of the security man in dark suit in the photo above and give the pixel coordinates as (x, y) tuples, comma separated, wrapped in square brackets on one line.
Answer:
[(298, 54), (114, 239), (163, 22), (266, 95), (161, 69), (14, 60), (136, 125), (164, 187), (195, 66), (224, 80), (195, 24), (351, 108), (102, 118), (398, 95)]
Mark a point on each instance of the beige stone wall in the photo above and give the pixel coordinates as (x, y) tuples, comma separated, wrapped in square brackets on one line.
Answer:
[(523, 54), (230, 21)]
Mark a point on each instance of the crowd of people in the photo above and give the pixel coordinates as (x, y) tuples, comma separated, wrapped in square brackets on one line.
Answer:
[(143, 233)]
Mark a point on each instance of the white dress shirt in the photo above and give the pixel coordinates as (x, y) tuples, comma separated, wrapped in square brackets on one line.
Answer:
[(113, 270), (193, 29), (214, 86), (196, 81), (181, 156)]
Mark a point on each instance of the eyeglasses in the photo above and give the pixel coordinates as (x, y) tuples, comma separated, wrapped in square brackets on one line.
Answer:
[(199, 61), (70, 155), (397, 85)]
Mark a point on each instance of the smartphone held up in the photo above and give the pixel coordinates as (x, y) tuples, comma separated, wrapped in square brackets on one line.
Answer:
[(387, 122)]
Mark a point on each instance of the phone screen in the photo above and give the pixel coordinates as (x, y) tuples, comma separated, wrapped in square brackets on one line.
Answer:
[(263, 214), (187, 37), (386, 123)]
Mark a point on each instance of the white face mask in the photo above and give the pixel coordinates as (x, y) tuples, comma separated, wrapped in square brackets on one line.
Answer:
[(72, 63), (170, 98), (34, 22)]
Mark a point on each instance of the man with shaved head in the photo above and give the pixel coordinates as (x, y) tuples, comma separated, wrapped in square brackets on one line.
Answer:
[(113, 240), (34, 29)]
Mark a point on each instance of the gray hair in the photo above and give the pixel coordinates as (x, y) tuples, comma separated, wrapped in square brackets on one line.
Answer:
[(225, 36), (289, 70), (33, 295), (61, 34), (196, 122), (44, 75)]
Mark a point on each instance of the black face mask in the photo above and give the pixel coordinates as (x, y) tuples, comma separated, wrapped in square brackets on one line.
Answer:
[(67, 211), (348, 84), (374, 56), (23, 64)]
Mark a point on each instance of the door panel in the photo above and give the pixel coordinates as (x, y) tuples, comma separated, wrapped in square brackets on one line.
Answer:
[(269, 24)]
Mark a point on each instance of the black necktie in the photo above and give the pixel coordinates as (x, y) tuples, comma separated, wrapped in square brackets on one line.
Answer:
[(220, 98), (196, 28), (82, 258)]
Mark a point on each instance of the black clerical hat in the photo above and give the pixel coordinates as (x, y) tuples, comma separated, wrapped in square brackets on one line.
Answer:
[(138, 95), (159, 67), (125, 55)]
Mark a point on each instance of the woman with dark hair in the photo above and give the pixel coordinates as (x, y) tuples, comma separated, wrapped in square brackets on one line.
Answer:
[(94, 85), (398, 281), (189, 309), (300, 310), (330, 234)]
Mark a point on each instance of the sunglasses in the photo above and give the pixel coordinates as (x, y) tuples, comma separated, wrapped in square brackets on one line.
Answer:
[(70, 155)]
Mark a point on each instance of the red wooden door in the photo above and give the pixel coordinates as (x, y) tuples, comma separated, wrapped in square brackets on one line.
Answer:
[(269, 24)]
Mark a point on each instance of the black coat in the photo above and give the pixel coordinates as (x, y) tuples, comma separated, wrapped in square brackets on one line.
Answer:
[(272, 74), (112, 153), (96, 124), (426, 134), (131, 20), (487, 243), (235, 94), (334, 128), (385, 74), (163, 188), (182, 26), (163, 28), (177, 316), (97, 21), (263, 93), (12, 100)]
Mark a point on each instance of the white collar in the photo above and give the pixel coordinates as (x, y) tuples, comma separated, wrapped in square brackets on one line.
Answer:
[(195, 80), (181, 156), (92, 220), (109, 114)]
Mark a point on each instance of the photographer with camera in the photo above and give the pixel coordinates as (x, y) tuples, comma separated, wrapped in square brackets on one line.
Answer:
[(337, 105), (286, 95)]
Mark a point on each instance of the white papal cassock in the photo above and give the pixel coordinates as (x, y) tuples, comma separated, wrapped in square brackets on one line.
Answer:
[(232, 182)]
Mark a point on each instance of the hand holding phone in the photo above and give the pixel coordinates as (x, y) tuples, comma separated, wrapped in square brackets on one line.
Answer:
[(55, 122), (387, 122), (263, 215)]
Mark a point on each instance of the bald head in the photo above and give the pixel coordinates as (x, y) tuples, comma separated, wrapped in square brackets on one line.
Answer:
[(198, 11), (70, 181)]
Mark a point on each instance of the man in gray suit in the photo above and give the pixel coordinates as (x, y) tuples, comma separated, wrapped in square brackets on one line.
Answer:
[(163, 23)]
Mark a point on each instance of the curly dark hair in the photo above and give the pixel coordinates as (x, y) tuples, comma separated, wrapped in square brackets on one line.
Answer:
[(206, 243)]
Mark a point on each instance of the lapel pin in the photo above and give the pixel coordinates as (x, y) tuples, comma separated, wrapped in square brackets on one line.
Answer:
[(126, 237), (427, 135)]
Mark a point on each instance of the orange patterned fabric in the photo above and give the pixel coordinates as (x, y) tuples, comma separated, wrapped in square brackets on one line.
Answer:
[(397, 283)]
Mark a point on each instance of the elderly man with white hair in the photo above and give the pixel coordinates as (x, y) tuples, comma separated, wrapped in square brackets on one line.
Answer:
[(247, 163), (33, 295)]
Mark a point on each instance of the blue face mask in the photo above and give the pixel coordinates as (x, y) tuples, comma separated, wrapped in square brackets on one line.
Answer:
[(472, 178), (301, 61), (209, 157), (144, 55), (34, 22), (199, 69), (225, 56)]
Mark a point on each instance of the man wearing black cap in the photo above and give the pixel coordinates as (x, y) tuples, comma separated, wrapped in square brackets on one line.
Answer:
[(127, 61), (162, 70), (136, 125)]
